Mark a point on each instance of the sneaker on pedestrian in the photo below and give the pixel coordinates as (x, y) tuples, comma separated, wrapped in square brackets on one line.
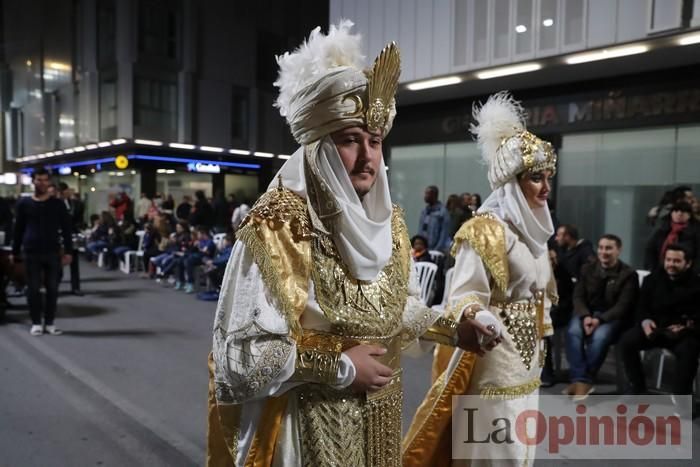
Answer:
[(178, 285), (36, 330), (53, 330), (189, 287), (582, 391)]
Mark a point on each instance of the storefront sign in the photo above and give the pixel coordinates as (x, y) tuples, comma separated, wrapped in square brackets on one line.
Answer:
[(202, 167), (630, 108), (122, 162)]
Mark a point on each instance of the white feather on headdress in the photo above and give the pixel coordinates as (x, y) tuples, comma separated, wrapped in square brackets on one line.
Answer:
[(315, 58), (500, 117)]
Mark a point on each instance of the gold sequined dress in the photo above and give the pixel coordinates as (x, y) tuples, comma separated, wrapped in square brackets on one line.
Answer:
[(495, 273), (285, 285)]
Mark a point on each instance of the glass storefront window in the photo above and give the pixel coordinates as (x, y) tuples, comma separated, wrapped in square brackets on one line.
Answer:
[(454, 168), (608, 182)]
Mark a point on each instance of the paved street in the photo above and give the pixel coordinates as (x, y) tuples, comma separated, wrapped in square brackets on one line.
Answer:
[(126, 384)]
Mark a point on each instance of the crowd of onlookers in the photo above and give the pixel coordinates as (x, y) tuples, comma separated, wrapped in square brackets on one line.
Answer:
[(176, 242), (603, 301)]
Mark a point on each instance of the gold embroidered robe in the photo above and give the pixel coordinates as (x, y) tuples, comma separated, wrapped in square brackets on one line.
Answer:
[(495, 271), (285, 283)]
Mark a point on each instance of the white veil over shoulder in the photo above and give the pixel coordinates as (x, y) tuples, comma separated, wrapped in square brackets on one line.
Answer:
[(361, 230)]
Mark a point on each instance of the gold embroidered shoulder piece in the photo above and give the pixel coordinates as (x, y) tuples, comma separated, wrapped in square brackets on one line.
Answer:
[(400, 239), (487, 236), (277, 231)]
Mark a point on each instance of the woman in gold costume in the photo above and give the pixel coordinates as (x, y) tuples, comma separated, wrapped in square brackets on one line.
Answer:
[(502, 276)]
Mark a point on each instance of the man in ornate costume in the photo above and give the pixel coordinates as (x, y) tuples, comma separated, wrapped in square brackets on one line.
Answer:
[(502, 272), (319, 297)]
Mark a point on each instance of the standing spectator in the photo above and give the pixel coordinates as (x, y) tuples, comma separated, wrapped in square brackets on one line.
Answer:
[(573, 252), (668, 317), (221, 216), (239, 214), (680, 227), (662, 211), (168, 203), (6, 219), (559, 313), (121, 204), (72, 207), (142, 206), (182, 213), (474, 202), (435, 222), (40, 218), (202, 213), (604, 298), (419, 249), (466, 200), (459, 214), (202, 249)]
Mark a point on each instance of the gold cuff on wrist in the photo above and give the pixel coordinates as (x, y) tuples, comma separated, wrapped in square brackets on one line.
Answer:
[(443, 331), (318, 360)]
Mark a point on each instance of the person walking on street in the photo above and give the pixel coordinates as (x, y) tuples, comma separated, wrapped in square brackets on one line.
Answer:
[(40, 220)]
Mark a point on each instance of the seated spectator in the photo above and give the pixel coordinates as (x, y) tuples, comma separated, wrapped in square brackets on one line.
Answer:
[(604, 298), (668, 317), (176, 248), (680, 227), (203, 248), (151, 239), (128, 240), (419, 249), (215, 267), (101, 235)]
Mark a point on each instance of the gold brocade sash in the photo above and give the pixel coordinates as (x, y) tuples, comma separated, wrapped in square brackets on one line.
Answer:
[(365, 428)]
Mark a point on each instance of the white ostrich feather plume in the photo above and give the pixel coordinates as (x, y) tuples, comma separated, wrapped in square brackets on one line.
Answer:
[(315, 58), (500, 117)]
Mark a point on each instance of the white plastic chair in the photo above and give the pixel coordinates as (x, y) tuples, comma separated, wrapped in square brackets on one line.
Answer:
[(426, 278), (131, 255), (641, 274), (436, 256)]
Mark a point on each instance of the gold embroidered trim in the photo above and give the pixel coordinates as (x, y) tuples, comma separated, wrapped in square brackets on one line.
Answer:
[(487, 236), (520, 319), (318, 359), (510, 392), (283, 212), (443, 331), (357, 308), (472, 301)]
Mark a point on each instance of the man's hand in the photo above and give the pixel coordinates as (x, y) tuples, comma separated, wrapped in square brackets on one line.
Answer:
[(648, 326), (66, 260), (11, 259), (470, 334), (675, 328), (588, 325), (370, 375)]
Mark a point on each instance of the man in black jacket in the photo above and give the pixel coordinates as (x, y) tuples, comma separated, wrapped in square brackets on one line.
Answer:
[(573, 252), (604, 298), (39, 220), (669, 316)]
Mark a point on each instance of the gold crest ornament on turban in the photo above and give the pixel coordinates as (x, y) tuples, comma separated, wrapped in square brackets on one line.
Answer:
[(324, 88)]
